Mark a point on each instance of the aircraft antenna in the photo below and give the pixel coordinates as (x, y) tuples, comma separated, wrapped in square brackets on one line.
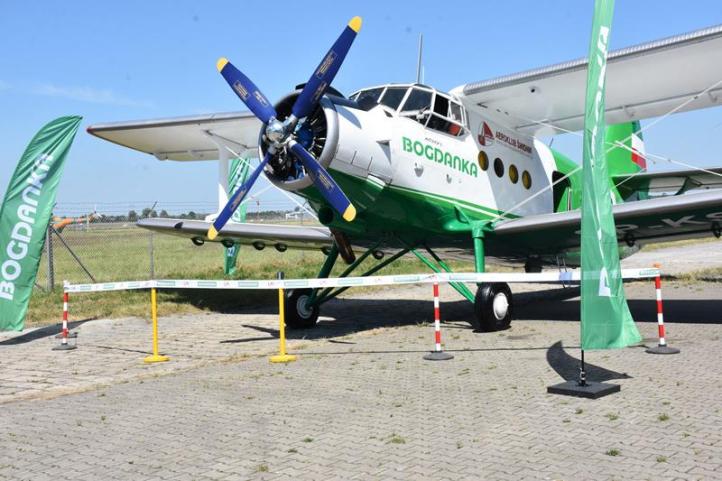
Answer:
[(418, 63)]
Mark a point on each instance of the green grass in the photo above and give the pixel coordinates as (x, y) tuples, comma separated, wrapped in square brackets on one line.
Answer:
[(122, 253), (613, 452)]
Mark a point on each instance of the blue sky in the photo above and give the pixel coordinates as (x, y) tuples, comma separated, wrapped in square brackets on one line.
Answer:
[(110, 61)]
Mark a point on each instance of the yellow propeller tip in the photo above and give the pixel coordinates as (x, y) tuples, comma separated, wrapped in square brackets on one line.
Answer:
[(221, 63), (355, 24), (350, 213), (212, 233)]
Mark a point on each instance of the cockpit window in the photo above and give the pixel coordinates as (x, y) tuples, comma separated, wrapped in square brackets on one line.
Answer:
[(417, 100), (368, 98), (393, 97)]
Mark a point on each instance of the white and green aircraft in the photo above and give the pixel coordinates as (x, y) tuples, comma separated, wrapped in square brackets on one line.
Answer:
[(402, 168)]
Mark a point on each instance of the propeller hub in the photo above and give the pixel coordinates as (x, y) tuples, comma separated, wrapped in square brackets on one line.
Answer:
[(275, 131)]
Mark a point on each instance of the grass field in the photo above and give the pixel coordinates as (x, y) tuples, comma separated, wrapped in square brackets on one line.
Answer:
[(122, 253)]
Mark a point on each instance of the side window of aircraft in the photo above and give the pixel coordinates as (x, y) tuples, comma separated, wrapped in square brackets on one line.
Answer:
[(367, 99), (393, 97), (446, 116)]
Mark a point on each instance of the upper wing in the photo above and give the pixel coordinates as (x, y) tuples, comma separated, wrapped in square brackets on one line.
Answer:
[(183, 138), (643, 81), (638, 223), (258, 235), (677, 182)]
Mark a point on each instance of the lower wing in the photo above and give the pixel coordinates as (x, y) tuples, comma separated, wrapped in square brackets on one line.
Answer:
[(641, 222)]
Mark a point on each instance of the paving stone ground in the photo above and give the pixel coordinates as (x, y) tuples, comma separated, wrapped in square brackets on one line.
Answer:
[(360, 403)]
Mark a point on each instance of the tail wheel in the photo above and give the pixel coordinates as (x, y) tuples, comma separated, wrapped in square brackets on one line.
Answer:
[(298, 314), (492, 307)]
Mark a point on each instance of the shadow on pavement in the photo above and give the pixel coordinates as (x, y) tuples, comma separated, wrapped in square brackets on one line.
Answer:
[(41, 333), (567, 366), (682, 311)]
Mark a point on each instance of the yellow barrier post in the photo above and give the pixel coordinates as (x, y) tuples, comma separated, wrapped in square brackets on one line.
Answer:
[(155, 357), (282, 356)]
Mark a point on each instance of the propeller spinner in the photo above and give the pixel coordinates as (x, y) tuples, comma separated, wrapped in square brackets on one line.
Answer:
[(281, 133)]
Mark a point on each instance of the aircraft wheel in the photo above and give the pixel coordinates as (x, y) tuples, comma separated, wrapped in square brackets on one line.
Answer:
[(298, 314), (492, 307)]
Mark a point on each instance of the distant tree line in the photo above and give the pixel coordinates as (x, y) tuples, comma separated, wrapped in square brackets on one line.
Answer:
[(134, 216)]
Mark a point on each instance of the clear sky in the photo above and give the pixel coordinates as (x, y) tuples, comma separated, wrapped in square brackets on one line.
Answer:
[(124, 60)]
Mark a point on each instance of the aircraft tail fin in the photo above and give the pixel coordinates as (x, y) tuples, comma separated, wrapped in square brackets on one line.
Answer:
[(626, 155)]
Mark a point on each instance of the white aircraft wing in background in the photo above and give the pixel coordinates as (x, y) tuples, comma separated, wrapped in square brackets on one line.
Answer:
[(184, 138), (683, 72)]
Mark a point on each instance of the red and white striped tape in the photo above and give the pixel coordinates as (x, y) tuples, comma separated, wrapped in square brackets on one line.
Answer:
[(437, 317)]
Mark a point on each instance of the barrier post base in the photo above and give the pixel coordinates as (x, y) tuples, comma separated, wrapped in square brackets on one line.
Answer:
[(156, 358), (282, 358), (64, 347), (590, 390), (438, 356), (662, 350), (71, 335)]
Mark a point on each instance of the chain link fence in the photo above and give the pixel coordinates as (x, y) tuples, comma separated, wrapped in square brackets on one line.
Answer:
[(104, 252)]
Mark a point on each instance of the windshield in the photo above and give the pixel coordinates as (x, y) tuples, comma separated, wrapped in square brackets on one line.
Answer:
[(393, 97), (417, 100)]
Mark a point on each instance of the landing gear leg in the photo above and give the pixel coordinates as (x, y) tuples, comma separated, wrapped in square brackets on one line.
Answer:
[(493, 301), (302, 310)]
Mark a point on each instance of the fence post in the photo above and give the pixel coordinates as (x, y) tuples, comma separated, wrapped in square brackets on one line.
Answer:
[(281, 357), (437, 354), (662, 347), (49, 257)]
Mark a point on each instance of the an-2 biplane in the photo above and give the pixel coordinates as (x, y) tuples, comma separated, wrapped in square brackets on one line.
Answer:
[(405, 168)]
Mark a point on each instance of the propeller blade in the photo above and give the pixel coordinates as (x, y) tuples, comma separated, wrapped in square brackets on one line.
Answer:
[(326, 70), (324, 183), (246, 90), (235, 200)]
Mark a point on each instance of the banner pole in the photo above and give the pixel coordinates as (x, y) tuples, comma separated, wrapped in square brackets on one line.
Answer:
[(155, 357), (282, 357)]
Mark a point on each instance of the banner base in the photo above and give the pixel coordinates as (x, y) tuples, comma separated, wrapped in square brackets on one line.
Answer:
[(438, 356), (64, 347), (590, 390), (662, 350)]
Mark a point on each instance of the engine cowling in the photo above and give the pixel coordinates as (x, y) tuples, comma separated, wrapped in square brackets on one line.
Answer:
[(318, 133)]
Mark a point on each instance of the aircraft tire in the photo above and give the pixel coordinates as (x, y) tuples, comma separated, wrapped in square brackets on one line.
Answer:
[(298, 315), (492, 307)]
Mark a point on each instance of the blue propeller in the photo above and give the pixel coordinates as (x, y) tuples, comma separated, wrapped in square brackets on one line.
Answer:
[(282, 134), (246, 91), (235, 200), (323, 182), (326, 71)]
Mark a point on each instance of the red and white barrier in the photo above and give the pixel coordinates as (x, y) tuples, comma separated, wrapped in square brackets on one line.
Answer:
[(437, 354), (662, 347), (64, 346)]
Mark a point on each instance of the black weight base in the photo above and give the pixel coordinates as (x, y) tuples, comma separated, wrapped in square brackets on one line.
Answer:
[(64, 347), (438, 356), (592, 390), (662, 350)]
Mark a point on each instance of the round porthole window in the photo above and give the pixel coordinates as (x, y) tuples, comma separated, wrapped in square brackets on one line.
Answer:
[(513, 174), (526, 180), (498, 167), (483, 160)]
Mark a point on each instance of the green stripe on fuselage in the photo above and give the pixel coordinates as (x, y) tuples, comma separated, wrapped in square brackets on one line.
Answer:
[(412, 214)]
